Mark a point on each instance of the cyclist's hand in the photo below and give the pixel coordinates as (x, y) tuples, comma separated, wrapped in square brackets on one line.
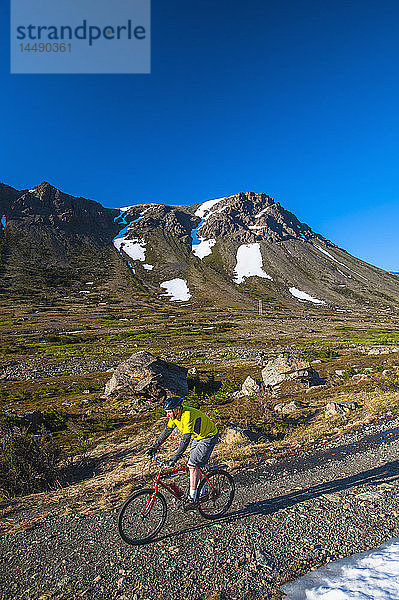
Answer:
[(151, 451), (170, 463)]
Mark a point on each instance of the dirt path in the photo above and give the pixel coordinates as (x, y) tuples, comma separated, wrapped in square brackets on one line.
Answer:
[(288, 517)]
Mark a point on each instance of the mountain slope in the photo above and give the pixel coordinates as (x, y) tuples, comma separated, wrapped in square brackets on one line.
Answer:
[(227, 251), (52, 243)]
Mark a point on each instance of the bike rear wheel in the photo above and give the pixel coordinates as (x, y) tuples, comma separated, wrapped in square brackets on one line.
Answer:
[(217, 494), (142, 516)]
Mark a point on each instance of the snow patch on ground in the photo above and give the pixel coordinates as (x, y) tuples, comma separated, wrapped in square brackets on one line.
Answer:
[(304, 296), (341, 273), (148, 267), (176, 289), (249, 263), (371, 575)]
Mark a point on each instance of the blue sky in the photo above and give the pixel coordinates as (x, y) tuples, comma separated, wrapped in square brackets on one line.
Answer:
[(298, 99)]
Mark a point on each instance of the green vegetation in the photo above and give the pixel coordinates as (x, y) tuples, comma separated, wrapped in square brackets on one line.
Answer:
[(77, 418)]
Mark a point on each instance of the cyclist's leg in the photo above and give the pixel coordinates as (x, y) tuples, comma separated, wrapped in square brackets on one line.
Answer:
[(195, 475), (200, 453)]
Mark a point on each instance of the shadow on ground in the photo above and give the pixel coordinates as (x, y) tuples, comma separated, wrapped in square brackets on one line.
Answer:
[(383, 474)]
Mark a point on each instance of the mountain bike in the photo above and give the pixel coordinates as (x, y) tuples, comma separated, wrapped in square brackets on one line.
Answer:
[(143, 514)]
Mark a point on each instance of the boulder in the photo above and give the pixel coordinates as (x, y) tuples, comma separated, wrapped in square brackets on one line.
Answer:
[(144, 376), (244, 435), (336, 408), (287, 368), (251, 386), (288, 409)]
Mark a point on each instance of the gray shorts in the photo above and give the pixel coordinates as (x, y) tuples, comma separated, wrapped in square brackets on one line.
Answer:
[(201, 450)]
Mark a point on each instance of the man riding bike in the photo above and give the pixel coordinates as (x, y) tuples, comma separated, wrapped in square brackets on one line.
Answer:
[(192, 423)]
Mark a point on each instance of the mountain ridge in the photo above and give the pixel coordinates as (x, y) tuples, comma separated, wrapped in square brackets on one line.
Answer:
[(225, 250)]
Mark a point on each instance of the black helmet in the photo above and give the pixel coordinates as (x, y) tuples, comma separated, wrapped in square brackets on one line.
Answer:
[(172, 402)]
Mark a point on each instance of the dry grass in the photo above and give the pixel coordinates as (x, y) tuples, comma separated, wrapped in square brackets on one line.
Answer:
[(123, 465)]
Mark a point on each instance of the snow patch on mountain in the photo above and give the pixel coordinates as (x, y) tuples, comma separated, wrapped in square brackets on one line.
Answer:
[(342, 273), (200, 246), (262, 212), (249, 263), (135, 248), (148, 267), (204, 248), (176, 289), (204, 210), (304, 296)]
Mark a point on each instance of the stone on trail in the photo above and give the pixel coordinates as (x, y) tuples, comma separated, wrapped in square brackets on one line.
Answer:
[(370, 496), (145, 376), (264, 559)]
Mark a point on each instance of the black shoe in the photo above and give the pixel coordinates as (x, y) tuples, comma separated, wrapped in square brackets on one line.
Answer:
[(190, 505)]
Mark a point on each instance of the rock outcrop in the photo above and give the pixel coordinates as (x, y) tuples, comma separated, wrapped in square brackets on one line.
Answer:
[(339, 408), (289, 368), (146, 377)]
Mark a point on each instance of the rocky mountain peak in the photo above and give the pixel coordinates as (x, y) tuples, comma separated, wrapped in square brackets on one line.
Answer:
[(49, 206), (249, 217)]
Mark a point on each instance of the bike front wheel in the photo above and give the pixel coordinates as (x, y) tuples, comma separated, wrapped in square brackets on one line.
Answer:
[(142, 516), (215, 493)]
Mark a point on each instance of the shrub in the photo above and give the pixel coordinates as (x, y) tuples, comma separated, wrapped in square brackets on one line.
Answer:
[(28, 463)]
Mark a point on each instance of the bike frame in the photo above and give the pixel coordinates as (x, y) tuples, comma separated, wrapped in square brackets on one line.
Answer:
[(165, 474)]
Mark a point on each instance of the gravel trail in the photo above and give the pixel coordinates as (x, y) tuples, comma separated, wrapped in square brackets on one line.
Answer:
[(288, 517)]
